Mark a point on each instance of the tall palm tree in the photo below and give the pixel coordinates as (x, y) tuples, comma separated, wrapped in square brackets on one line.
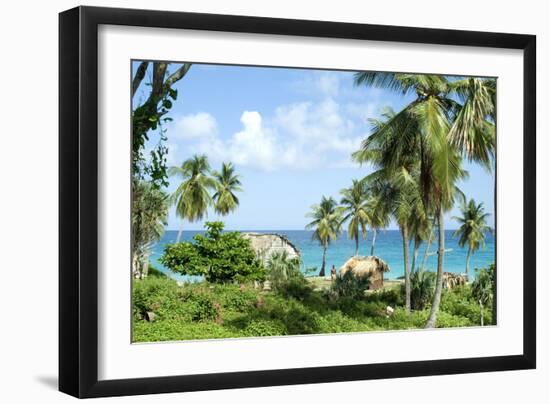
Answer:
[(394, 152), (326, 223), (473, 227), (354, 208), (423, 126), (473, 133), (227, 184), (192, 197)]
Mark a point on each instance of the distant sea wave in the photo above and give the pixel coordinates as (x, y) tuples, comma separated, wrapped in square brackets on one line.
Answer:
[(388, 246)]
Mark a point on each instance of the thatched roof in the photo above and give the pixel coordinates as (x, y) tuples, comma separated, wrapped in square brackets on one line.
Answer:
[(364, 265)]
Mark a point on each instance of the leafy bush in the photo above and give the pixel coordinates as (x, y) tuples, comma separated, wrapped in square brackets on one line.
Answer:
[(422, 289), (158, 295), (204, 307), (263, 328), (349, 285), (297, 288), (219, 257), (390, 297)]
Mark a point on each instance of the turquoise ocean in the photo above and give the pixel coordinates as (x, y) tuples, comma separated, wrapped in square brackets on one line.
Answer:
[(388, 246)]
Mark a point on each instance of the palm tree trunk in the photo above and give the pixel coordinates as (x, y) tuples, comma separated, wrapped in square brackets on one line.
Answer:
[(481, 313), (144, 266), (135, 263), (357, 245), (405, 235), (468, 263), (428, 245), (415, 254), (373, 241), (322, 272), (439, 280), (179, 232)]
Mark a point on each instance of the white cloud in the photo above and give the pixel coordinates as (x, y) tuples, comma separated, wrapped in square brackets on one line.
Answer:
[(201, 124), (298, 136), (254, 145)]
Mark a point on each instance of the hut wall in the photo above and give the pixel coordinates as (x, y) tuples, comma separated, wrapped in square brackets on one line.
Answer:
[(376, 280)]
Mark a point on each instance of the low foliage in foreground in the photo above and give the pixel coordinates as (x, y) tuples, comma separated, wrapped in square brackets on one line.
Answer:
[(205, 310)]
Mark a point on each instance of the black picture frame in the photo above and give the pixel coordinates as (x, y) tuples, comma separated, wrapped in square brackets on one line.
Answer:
[(78, 201)]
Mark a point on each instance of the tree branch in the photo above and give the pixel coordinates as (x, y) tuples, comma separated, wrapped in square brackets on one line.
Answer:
[(140, 74), (178, 74)]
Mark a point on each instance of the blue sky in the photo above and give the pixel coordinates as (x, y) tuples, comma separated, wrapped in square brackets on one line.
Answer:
[(289, 132)]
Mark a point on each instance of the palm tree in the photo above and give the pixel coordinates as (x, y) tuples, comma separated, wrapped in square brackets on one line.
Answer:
[(379, 217), (395, 154), (482, 289), (473, 227), (420, 131), (281, 268), (227, 183), (326, 224), (355, 209), (473, 133), (192, 197)]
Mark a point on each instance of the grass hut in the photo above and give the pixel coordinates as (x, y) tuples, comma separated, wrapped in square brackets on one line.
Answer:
[(371, 265)]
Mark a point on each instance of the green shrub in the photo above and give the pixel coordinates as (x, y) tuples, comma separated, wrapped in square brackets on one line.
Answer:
[(218, 256), (263, 328), (204, 307), (390, 297), (422, 289), (235, 297), (297, 288), (158, 295), (349, 285)]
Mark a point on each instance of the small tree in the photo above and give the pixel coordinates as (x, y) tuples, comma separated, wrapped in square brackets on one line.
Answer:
[(218, 256)]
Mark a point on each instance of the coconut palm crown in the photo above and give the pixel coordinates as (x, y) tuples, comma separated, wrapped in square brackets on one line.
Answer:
[(326, 223), (227, 184), (192, 197), (473, 228), (355, 209)]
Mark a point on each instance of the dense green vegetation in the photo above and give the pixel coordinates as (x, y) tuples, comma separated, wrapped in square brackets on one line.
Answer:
[(205, 310)]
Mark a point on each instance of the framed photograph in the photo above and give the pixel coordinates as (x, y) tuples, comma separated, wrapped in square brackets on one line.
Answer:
[(251, 201)]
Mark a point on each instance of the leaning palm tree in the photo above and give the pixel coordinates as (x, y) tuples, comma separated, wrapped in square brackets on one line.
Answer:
[(423, 126), (473, 227), (326, 223), (355, 209), (192, 197), (227, 184)]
